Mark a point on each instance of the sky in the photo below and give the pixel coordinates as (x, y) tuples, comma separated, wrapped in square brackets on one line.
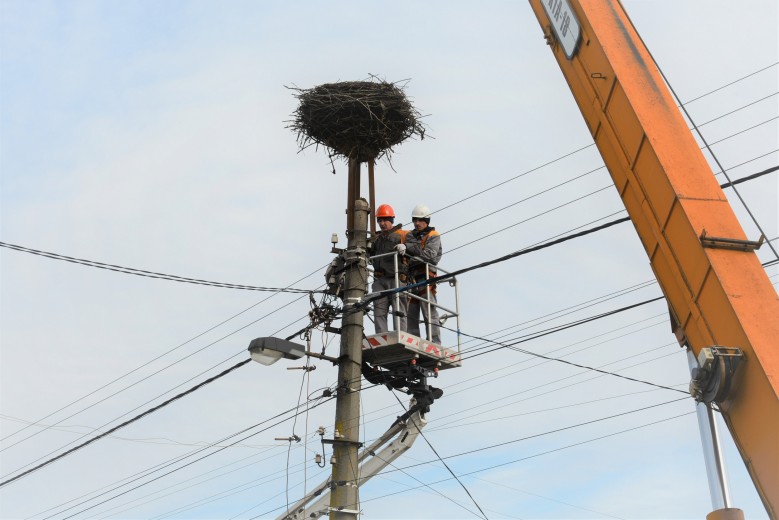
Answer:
[(153, 135)]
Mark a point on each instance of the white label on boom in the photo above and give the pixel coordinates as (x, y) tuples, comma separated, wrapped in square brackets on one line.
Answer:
[(565, 25)]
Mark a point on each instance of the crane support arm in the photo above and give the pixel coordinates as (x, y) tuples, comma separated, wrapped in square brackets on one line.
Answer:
[(717, 296), (396, 441)]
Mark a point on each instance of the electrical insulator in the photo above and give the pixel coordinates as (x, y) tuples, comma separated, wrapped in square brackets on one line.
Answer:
[(318, 459), (332, 459)]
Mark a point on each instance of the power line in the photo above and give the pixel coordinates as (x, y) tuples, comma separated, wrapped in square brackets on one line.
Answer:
[(706, 144), (430, 445), (514, 178), (522, 459), (535, 248), (160, 467), (737, 109), (557, 430), (150, 274), (559, 360), (729, 84), (593, 144), (612, 374), (724, 185), (150, 376), (546, 332), (481, 470), (770, 170), (159, 357), (524, 200), (130, 421)]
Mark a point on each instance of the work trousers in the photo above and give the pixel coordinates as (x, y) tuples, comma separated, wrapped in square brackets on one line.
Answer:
[(382, 305), (432, 322)]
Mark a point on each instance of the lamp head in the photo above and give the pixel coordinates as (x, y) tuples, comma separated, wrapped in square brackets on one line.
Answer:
[(269, 350)]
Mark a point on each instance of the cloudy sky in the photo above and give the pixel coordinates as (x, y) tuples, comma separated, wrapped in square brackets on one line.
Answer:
[(152, 135)]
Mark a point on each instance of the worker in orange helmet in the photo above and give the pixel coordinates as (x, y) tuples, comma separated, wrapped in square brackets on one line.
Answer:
[(390, 239), (423, 245)]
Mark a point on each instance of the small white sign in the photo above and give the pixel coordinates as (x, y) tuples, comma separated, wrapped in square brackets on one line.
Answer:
[(564, 24)]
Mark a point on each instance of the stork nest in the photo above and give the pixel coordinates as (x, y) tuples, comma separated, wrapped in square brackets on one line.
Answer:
[(359, 120)]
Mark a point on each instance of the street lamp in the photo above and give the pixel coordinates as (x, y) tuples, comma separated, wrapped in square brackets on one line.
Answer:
[(269, 350)]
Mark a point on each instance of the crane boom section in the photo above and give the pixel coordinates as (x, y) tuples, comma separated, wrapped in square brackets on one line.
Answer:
[(716, 296)]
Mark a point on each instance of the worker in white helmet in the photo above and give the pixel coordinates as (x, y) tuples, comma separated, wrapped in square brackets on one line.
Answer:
[(423, 247), (389, 240)]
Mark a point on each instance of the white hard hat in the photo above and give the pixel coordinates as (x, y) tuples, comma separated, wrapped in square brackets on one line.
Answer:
[(420, 211)]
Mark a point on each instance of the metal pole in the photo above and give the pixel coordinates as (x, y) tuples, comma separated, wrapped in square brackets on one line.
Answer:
[(396, 296), (712, 453), (372, 197), (344, 499)]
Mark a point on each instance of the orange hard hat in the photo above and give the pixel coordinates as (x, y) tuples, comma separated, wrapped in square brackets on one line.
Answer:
[(385, 210)]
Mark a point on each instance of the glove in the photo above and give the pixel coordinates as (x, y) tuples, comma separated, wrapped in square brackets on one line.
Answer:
[(401, 249)]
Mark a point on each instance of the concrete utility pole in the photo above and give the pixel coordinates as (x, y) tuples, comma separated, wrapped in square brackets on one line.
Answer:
[(344, 499)]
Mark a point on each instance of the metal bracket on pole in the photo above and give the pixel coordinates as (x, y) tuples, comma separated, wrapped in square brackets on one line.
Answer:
[(341, 441), (346, 511), (730, 243)]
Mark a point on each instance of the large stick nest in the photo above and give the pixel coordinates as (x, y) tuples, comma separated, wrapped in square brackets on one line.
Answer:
[(359, 120)]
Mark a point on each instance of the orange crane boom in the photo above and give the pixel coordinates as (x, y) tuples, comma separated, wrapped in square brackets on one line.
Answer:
[(717, 291)]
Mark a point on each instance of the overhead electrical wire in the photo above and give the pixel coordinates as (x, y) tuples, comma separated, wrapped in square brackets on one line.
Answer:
[(480, 470), (118, 508), (233, 356), (522, 459), (599, 376), (522, 395), (244, 485), (532, 217), (489, 263), (706, 144), (610, 373), (527, 250), (176, 460), (769, 96), (742, 78), (126, 423), (150, 400), (149, 274), (569, 154), (199, 459), (539, 334), (553, 431), (430, 445), (523, 362), (639, 284), (149, 376), (578, 176)]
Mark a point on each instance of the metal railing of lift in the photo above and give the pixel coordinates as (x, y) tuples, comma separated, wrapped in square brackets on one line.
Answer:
[(426, 300)]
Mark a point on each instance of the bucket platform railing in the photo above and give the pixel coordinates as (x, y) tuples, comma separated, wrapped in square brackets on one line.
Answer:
[(398, 346)]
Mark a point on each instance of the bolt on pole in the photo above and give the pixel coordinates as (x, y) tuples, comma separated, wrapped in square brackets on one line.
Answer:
[(344, 498)]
